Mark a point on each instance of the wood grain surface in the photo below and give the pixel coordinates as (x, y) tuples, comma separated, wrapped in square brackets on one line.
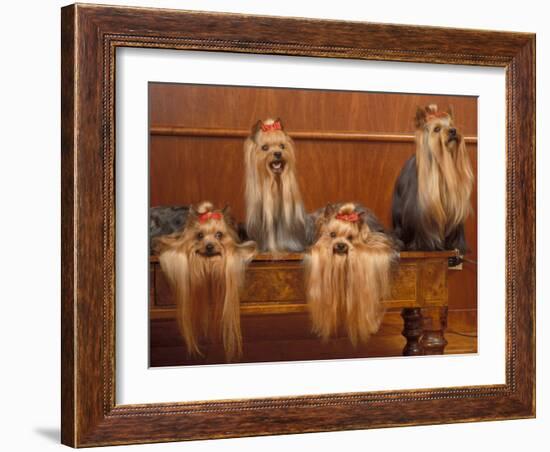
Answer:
[(273, 295), (90, 414), (333, 163)]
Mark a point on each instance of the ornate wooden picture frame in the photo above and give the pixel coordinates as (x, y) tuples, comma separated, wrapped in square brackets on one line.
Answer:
[(90, 37)]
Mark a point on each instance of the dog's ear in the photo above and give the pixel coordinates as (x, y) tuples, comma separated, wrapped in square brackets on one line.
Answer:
[(278, 121), (192, 215), (365, 232), (247, 250), (256, 127), (317, 220), (363, 225), (329, 211), (451, 112), (228, 217), (420, 118)]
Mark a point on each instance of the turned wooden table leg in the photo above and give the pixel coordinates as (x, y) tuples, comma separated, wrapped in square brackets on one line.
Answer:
[(413, 329), (433, 340)]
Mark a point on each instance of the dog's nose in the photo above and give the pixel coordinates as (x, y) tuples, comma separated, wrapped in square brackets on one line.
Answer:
[(209, 247), (340, 247), (277, 155), (452, 131)]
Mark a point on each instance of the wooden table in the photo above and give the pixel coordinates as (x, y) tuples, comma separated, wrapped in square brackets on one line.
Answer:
[(274, 286)]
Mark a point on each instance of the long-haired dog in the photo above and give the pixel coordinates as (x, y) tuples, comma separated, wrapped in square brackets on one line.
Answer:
[(431, 199), (204, 264), (348, 272), (275, 216)]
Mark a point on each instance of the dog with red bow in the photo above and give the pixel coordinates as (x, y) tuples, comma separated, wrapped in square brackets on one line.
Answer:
[(275, 216), (205, 264), (348, 272), (431, 198)]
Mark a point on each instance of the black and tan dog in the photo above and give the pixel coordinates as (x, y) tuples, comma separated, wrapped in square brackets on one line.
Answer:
[(431, 198), (205, 264), (348, 272), (275, 216)]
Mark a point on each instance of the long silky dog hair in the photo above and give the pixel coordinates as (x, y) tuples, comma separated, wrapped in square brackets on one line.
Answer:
[(348, 272), (204, 264), (275, 216), (431, 198)]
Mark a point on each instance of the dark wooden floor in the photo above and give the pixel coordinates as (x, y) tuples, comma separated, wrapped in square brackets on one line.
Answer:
[(289, 340)]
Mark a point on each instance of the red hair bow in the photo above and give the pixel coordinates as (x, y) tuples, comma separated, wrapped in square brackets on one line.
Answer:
[(270, 127), (204, 217), (349, 217)]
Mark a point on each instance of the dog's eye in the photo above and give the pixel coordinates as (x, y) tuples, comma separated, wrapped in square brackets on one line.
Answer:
[(265, 147), (200, 236), (282, 146), (437, 129), (350, 238), (333, 234), (219, 235)]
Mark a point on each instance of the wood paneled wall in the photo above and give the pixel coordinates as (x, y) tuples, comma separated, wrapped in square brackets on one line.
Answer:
[(188, 169)]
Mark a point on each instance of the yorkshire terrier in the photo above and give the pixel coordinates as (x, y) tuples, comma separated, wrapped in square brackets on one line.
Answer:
[(275, 216), (348, 272), (205, 264), (431, 198)]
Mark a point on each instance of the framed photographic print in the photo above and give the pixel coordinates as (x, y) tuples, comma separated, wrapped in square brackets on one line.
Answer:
[(252, 219)]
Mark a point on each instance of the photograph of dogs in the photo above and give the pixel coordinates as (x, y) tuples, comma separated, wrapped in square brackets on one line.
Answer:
[(348, 272), (275, 216), (431, 198), (346, 211), (205, 266)]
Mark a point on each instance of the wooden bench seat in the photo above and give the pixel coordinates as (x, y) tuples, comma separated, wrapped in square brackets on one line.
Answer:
[(274, 285)]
